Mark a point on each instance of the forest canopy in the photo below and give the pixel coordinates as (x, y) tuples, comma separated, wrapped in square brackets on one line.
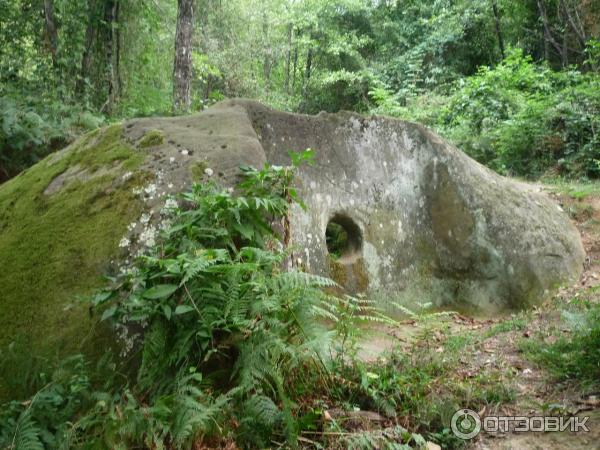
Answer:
[(513, 83)]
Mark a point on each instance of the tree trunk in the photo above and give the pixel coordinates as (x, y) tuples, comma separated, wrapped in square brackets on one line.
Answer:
[(51, 31), (574, 21), (118, 83), (565, 47), (548, 37), (498, 28), (308, 70), (306, 78), (110, 14), (295, 63), (288, 59), (268, 57), (182, 67), (86, 57)]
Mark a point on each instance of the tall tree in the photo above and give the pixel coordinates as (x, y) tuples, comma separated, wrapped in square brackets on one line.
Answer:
[(182, 67), (111, 16), (288, 58), (51, 31), (498, 28), (87, 53)]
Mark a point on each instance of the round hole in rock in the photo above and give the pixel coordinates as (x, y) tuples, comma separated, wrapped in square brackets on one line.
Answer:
[(343, 238)]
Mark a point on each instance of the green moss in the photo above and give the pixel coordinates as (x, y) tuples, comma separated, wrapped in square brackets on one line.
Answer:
[(55, 248), (361, 275), (337, 272), (197, 170), (352, 277), (152, 138)]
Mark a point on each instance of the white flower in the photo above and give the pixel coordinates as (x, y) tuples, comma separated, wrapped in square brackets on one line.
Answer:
[(124, 243), (150, 189), (171, 203), (208, 171), (172, 159), (137, 190), (148, 237), (127, 176), (170, 185), (185, 152), (131, 226), (145, 218)]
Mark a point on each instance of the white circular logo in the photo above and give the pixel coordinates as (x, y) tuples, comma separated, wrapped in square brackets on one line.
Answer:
[(466, 424)]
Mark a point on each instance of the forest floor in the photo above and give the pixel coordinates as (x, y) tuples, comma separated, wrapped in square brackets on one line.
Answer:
[(500, 351)]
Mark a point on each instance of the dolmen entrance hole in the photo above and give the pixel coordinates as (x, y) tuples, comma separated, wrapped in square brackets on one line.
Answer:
[(343, 238)]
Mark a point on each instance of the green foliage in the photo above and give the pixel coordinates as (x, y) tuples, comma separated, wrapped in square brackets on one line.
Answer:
[(395, 438), (412, 59), (519, 118), (513, 324), (523, 119), (43, 420), (29, 131), (336, 238), (421, 384), (223, 330), (574, 357), (215, 300), (151, 138)]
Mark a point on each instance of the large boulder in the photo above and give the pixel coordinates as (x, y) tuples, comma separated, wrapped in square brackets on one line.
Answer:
[(423, 222)]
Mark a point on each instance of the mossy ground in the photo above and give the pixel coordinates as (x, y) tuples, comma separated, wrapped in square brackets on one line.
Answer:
[(197, 170), (151, 138), (54, 249)]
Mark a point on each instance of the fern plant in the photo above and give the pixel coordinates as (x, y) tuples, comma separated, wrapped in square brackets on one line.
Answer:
[(228, 337), (215, 300)]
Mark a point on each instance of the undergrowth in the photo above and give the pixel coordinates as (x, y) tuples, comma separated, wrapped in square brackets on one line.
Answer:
[(575, 355), (220, 340)]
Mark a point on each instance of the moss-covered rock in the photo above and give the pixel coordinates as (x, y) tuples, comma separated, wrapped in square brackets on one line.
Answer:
[(55, 246), (87, 211), (152, 138)]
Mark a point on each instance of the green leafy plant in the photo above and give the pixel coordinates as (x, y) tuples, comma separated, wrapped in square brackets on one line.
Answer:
[(28, 133), (574, 357), (214, 300), (220, 325)]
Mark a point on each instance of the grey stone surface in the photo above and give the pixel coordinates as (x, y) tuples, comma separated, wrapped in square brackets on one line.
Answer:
[(427, 223), (435, 225)]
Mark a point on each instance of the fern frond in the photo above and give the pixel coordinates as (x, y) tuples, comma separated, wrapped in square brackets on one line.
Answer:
[(262, 409), (27, 433)]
